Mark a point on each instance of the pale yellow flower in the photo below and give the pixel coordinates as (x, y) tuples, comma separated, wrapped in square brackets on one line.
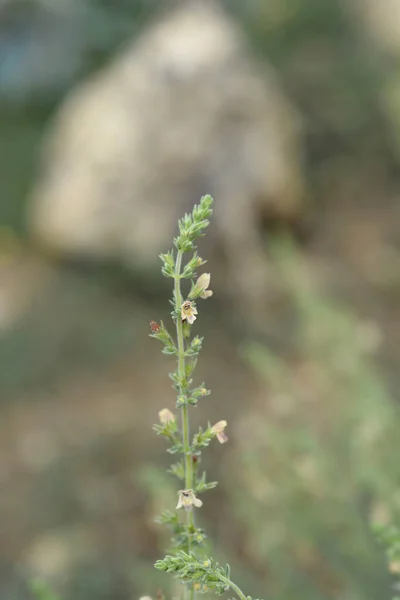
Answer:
[(188, 312), (203, 283), (201, 287), (165, 416), (219, 430), (187, 500)]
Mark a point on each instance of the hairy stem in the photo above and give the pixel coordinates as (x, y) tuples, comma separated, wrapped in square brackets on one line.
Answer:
[(183, 392), (235, 587)]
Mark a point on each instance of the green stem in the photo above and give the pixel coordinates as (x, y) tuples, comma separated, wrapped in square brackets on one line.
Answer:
[(235, 587), (183, 392)]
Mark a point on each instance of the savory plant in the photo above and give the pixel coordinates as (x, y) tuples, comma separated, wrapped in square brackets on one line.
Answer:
[(187, 562)]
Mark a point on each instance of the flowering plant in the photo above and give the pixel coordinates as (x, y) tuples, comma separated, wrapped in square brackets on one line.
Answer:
[(197, 572)]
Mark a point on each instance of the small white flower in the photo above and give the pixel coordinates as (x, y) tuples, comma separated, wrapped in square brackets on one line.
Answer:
[(219, 430), (187, 500), (165, 416), (188, 312)]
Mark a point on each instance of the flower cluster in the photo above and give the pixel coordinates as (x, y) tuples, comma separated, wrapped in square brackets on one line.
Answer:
[(204, 575), (187, 538), (201, 575)]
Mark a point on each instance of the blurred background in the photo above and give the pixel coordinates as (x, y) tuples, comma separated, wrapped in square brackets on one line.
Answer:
[(115, 117)]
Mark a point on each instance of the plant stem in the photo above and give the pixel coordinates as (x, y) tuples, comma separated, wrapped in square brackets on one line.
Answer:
[(235, 587), (183, 392)]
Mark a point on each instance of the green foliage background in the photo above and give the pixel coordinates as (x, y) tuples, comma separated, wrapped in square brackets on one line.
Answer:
[(318, 448)]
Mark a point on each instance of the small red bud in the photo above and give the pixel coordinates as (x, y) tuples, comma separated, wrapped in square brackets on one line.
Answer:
[(155, 327)]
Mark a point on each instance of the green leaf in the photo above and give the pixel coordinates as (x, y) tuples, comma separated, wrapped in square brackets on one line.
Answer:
[(202, 485), (202, 439), (170, 350), (178, 469), (169, 429), (189, 367), (195, 346), (176, 448)]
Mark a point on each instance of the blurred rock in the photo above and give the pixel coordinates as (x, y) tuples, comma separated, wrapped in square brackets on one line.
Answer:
[(182, 112), (380, 25), (381, 20)]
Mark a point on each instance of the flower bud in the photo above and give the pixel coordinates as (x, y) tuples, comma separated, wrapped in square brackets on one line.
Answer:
[(165, 416)]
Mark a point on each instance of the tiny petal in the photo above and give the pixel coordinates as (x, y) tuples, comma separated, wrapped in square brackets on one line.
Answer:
[(204, 281), (219, 431), (188, 312), (197, 502), (165, 416), (222, 437), (206, 294), (219, 426)]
